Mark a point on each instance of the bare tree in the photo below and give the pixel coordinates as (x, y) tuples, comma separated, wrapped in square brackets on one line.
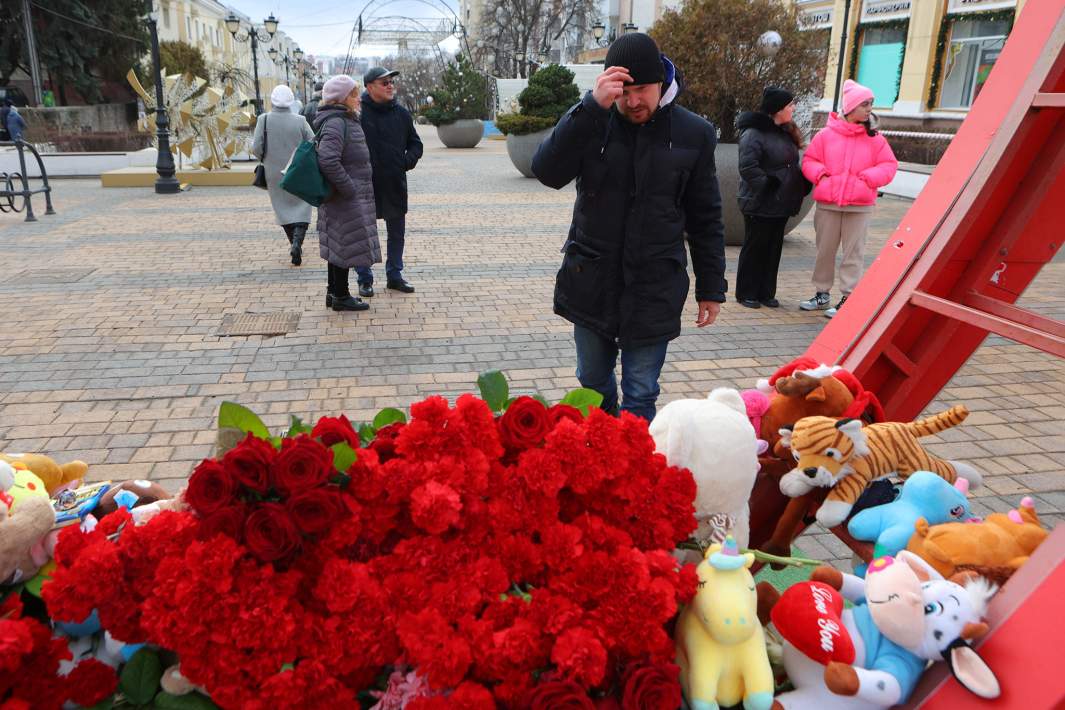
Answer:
[(419, 75), (518, 34)]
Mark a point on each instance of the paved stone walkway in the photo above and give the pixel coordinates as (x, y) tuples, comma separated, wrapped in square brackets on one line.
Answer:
[(112, 307)]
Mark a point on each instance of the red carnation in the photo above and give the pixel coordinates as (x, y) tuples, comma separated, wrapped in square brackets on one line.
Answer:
[(560, 412), (315, 510), (579, 655), (559, 695), (228, 521), (435, 507), (333, 430), (211, 488), (384, 442), (270, 533), (652, 687), (302, 464), (524, 424), (250, 462), (91, 682)]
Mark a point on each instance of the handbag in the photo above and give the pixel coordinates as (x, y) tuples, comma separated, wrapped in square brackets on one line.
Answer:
[(303, 178), (260, 169)]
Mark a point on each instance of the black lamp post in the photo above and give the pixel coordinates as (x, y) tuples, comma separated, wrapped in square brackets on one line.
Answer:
[(285, 60), (253, 34), (166, 183)]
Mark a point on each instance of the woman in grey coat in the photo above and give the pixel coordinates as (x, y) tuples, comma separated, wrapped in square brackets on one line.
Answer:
[(347, 220), (278, 133)]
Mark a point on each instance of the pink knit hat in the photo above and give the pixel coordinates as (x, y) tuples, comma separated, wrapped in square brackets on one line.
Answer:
[(854, 94), (337, 89)]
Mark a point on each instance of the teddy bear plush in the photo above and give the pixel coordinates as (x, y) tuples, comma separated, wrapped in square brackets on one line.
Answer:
[(995, 548), (28, 520), (713, 439), (53, 474), (890, 526)]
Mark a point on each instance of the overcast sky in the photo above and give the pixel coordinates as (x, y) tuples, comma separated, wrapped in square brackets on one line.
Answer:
[(324, 26)]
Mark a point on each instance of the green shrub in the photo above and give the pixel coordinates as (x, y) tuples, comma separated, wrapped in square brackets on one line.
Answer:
[(517, 124), (462, 93), (550, 93)]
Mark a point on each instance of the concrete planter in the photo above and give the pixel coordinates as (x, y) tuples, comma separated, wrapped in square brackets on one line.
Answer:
[(521, 150), (464, 133), (728, 177)]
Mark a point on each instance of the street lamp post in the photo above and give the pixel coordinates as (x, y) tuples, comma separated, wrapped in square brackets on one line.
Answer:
[(166, 183), (253, 34), (285, 60)]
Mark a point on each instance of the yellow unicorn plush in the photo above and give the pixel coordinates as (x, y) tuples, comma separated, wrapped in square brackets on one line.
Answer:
[(720, 644)]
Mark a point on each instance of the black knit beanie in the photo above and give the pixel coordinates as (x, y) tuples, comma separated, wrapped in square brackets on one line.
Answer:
[(639, 54), (774, 99)]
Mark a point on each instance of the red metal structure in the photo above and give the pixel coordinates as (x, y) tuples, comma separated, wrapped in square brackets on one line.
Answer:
[(990, 217)]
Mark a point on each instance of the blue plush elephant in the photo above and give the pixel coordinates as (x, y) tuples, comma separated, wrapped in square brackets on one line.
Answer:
[(924, 495)]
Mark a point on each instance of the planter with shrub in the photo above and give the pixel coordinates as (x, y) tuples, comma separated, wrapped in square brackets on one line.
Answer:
[(459, 105), (550, 93)]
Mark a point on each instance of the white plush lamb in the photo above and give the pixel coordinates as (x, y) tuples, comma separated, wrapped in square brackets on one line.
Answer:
[(714, 439)]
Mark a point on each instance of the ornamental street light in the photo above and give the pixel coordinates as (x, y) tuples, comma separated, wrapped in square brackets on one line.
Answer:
[(601, 36), (166, 183), (253, 34)]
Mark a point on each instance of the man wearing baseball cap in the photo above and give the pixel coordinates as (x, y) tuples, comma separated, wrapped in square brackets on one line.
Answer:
[(394, 149), (645, 177)]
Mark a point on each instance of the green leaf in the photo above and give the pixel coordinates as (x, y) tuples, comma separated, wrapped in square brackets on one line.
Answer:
[(139, 680), (105, 704), (189, 701), (366, 433), (297, 427), (233, 416), (583, 399), (542, 400), (343, 456), (388, 415), (494, 389)]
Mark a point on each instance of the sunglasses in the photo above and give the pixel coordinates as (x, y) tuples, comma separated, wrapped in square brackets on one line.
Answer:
[(386, 82)]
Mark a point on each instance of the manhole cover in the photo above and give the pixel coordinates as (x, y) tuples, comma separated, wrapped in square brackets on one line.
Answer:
[(237, 324), (50, 276)]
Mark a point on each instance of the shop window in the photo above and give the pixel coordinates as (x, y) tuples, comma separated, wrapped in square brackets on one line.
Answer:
[(969, 54), (880, 61)]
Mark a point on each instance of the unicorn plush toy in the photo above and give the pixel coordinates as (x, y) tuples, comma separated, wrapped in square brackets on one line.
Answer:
[(871, 655), (720, 643)]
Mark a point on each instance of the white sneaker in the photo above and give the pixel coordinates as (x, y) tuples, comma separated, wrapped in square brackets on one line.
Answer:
[(818, 303), (835, 309)]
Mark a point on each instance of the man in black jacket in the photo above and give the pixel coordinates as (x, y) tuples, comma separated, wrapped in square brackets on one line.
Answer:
[(395, 148), (645, 175), (311, 109)]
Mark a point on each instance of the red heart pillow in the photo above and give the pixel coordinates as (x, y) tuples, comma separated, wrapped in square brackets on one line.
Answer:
[(808, 616)]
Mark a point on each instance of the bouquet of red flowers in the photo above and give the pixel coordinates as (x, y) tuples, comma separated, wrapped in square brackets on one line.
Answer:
[(492, 557)]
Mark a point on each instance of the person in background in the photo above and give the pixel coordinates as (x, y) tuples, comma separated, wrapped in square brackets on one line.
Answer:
[(311, 109), (347, 222), (395, 148), (277, 135), (771, 190), (847, 161), (646, 179)]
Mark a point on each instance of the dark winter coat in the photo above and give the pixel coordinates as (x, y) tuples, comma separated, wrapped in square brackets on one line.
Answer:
[(771, 180), (347, 225), (639, 189), (395, 148), (310, 111)]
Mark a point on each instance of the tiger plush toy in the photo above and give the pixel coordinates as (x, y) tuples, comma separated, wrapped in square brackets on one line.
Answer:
[(846, 456)]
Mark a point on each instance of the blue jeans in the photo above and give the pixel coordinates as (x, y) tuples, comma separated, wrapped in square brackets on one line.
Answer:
[(397, 229), (640, 367)]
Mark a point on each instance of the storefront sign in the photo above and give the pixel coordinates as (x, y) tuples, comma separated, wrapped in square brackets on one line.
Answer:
[(880, 10), (955, 7), (815, 18)]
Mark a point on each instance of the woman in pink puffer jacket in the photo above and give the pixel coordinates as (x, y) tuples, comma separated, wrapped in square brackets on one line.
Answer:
[(847, 162)]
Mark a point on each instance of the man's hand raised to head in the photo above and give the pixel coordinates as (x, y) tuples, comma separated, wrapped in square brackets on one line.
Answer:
[(708, 311), (610, 85)]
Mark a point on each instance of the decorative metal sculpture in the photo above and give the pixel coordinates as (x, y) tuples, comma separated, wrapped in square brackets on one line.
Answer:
[(208, 123)]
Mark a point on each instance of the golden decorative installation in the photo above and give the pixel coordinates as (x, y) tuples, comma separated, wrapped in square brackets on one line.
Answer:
[(205, 122)]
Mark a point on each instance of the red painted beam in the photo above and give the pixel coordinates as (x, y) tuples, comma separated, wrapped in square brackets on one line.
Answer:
[(1047, 342)]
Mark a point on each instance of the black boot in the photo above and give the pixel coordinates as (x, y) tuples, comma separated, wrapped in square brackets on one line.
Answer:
[(296, 252)]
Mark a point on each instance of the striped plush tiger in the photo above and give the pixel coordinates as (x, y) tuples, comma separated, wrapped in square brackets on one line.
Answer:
[(846, 456)]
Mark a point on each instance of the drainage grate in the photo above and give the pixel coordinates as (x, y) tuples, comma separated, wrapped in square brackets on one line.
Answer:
[(238, 324), (50, 276)]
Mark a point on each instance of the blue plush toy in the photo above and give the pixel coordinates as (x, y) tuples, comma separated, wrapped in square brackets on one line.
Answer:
[(924, 495)]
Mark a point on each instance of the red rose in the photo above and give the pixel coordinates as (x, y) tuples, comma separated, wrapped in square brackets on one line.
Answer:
[(333, 430), (228, 521), (270, 533), (91, 682), (384, 442), (250, 463), (211, 488), (524, 424), (315, 510), (560, 412), (651, 687), (302, 464), (559, 695)]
